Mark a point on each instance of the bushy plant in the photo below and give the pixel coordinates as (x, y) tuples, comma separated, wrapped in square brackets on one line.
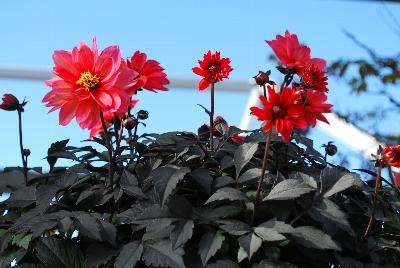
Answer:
[(246, 199)]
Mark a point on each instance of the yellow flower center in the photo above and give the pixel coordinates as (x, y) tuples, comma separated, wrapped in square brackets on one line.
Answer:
[(88, 80)]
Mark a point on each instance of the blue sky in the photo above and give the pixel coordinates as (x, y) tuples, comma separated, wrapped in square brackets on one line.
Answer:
[(176, 33)]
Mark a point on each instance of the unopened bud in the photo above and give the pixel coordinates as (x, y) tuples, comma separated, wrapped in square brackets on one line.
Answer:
[(129, 123), (143, 115), (262, 78), (26, 152), (330, 149)]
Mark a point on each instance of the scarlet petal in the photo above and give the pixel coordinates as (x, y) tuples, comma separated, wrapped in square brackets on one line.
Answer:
[(203, 84), (68, 111)]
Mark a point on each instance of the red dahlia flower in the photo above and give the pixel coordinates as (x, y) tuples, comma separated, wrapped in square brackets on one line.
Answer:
[(213, 68), (151, 74), (293, 55), (315, 106), (87, 83), (10, 103), (282, 111), (314, 78), (391, 155)]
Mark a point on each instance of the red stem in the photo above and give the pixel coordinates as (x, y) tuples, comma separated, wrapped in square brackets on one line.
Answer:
[(21, 146), (376, 190), (110, 153), (264, 166), (212, 118)]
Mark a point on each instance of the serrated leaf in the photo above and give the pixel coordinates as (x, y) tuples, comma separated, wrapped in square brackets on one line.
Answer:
[(250, 243), (288, 189), (161, 254), (328, 210), (307, 179), (224, 264), (22, 197), (203, 178), (98, 254), (22, 240), (54, 252), (234, 227), (129, 255), (268, 234), (311, 237), (241, 254), (227, 193), (88, 226), (209, 244), (279, 226), (222, 182), (273, 264), (166, 179), (181, 233), (249, 174), (55, 147), (243, 155), (334, 180)]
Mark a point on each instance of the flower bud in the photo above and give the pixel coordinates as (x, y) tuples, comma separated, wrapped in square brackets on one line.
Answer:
[(26, 152), (330, 149), (262, 78), (129, 123), (143, 115), (10, 103)]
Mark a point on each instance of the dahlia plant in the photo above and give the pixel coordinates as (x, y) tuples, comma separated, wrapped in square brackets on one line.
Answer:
[(221, 197)]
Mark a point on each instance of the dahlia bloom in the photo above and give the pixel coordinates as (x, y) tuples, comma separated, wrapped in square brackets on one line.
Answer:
[(109, 119), (391, 155), (213, 68), (151, 74), (282, 111), (315, 106), (293, 55), (10, 103), (314, 78), (87, 82)]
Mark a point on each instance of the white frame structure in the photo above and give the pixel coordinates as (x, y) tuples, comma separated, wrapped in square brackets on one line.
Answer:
[(347, 133)]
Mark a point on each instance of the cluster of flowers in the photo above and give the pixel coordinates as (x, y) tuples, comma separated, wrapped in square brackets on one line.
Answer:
[(296, 104), (88, 83)]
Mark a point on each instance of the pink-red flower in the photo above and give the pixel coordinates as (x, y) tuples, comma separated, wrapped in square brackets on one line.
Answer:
[(293, 55), (151, 74), (314, 78), (213, 69), (282, 111), (314, 106), (87, 82), (10, 103), (391, 156)]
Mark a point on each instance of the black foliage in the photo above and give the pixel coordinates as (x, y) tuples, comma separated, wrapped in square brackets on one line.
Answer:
[(174, 203)]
